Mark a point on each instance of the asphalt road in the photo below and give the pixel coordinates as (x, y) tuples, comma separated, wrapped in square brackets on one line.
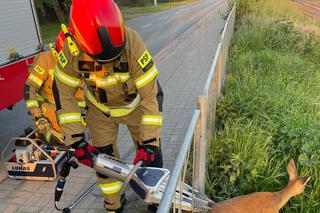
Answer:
[(157, 30)]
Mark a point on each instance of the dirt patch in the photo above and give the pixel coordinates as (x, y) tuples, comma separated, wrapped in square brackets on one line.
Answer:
[(309, 7)]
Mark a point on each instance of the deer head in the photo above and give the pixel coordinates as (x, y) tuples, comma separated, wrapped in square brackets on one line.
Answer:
[(296, 184)]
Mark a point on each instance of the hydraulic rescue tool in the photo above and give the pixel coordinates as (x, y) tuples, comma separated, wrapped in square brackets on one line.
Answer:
[(31, 158), (147, 182)]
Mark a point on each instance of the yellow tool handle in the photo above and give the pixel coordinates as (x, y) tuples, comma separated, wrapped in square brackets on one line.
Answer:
[(59, 136), (72, 46)]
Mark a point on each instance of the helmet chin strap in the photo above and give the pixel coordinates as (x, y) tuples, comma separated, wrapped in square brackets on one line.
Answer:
[(104, 61), (101, 61)]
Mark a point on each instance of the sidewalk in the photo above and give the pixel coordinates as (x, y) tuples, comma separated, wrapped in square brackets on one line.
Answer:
[(183, 67)]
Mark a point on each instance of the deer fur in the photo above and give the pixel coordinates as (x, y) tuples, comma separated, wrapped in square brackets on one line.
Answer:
[(265, 202)]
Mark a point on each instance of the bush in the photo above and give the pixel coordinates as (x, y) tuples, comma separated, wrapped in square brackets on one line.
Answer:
[(140, 2)]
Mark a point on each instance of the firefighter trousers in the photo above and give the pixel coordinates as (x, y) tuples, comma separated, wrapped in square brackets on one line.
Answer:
[(104, 132)]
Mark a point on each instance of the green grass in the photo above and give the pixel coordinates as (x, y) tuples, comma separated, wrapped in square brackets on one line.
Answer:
[(269, 111), (50, 30)]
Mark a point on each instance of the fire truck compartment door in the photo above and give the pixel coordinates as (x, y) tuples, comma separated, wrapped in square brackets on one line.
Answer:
[(19, 29)]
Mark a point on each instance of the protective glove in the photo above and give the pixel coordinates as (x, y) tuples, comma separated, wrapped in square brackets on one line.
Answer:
[(84, 152), (54, 138), (146, 154), (42, 123)]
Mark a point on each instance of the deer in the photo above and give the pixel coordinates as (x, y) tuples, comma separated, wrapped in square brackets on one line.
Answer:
[(265, 202)]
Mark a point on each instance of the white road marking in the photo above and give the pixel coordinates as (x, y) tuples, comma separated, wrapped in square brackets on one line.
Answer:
[(164, 18), (145, 26)]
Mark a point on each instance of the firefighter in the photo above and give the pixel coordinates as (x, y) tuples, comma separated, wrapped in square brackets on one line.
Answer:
[(121, 88), (38, 93)]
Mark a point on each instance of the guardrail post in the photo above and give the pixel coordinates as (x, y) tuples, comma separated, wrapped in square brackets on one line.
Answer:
[(219, 71), (201, 146)]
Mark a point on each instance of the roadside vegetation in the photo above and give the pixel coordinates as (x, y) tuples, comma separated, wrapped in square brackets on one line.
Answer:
[(269, 110), (52, 12)]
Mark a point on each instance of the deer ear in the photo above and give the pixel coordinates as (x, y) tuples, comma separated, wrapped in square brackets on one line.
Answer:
[(305, 180), (292, 170)]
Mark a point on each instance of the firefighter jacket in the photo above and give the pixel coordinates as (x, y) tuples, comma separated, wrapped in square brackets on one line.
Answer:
[(116, 88), (38, 88)]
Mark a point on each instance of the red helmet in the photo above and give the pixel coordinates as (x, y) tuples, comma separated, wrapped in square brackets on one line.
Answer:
[(59, 41), (98, 27)]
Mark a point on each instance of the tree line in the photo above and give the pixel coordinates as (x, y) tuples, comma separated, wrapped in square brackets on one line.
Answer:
[(58, 10)]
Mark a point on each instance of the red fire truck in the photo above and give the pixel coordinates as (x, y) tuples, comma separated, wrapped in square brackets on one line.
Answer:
[(20, 41)]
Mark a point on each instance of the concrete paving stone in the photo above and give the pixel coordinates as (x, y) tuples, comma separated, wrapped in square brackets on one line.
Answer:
[(74, 189), (81, 210), (168, 133), (96, 211), (165, 138), (49, 210), (18, 201), (5, 193), (11, 208), (96, 192), (93, 179), (67, 197), (62, 203), (84, 175), (49, 184), (14, 182), (44, 200), (87, 202), (28, 209), (176, 137), (96, 206), (47, 190), (55, 211), (88, 185), (76, 179), (51, 203), (5, 200), (3, 206), (169, 164), (31, 186), (171, 154), (179, 132), (8, 187), (173, 123), (173, 146), (31, 199)]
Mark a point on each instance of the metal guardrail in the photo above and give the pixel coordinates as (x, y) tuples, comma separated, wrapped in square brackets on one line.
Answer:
[(175, 175), (207, 102), (201, 126)]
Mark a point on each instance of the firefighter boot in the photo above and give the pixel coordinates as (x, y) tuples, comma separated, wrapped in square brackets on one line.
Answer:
[(123, 201)]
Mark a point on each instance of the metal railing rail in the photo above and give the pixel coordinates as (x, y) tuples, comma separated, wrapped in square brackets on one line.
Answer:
[(207, 102), (201, 126), (170, 190)]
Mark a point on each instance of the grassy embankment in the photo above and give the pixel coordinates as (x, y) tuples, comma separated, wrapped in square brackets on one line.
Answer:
[(50, 30), (270, 108)]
